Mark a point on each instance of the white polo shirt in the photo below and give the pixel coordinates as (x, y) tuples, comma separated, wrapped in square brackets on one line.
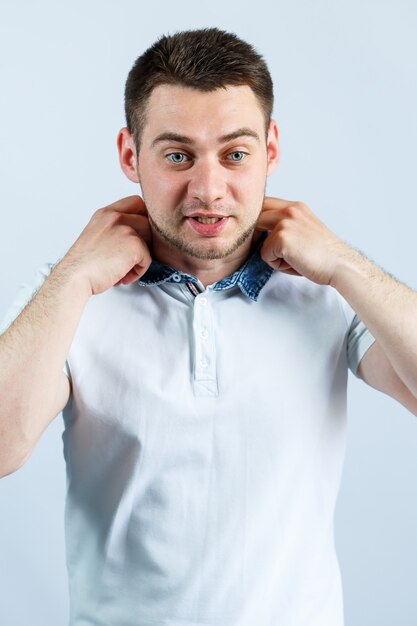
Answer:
[(204, 442)]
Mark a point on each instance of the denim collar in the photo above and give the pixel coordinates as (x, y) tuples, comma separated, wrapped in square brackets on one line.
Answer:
[(251, 277)]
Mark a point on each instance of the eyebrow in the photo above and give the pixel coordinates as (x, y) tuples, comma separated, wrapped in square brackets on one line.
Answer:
[(171, 136)]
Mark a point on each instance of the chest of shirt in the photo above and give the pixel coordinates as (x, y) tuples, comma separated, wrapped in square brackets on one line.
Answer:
[(146, 358)]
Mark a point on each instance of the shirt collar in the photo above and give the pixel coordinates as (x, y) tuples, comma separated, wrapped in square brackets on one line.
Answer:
[(250, 277)]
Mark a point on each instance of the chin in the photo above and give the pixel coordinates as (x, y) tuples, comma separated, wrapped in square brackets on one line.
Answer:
[(215, 250)]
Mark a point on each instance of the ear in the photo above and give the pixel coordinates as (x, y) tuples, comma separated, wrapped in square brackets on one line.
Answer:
[(273, 152), (127, 154)]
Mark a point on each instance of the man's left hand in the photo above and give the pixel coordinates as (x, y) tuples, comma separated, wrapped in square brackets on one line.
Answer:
[(298, 242)]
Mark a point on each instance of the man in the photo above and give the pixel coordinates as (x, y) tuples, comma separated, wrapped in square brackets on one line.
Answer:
[(204, 386)]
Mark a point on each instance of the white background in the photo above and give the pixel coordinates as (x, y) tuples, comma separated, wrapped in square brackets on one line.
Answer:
[(346, 102)]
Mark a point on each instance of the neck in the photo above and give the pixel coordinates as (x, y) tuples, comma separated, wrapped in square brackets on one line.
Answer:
[(208, 271)]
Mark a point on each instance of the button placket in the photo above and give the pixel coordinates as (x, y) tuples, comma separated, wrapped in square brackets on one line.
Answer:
[(204, 356)]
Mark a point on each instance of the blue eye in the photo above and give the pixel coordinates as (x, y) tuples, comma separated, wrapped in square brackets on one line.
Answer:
[(178, 158), (237, 152), (176, 154)]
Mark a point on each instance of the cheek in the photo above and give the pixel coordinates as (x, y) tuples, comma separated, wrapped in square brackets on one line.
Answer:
[(250, 176), (160, 191), (166, 186), (250, 187), (163, 199)]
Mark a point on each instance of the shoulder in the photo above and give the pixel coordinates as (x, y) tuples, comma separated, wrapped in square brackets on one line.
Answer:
[(298, 288)]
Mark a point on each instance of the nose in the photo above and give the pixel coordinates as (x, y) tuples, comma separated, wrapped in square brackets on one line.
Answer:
[(208, 181)]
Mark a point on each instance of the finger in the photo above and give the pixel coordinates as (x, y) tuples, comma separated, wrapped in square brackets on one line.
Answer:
[(271, 212), (140, 223), (130, 204), (290, 271), (286, 267), (130, 277), (268, 220), (270, 202)]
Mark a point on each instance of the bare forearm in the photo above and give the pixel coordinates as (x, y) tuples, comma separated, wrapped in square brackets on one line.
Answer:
[(387, 307), (33, 351)]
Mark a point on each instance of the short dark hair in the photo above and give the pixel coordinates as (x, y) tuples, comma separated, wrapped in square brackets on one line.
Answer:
[(204, 59)]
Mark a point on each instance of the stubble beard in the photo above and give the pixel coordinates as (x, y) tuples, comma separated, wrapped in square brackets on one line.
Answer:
[(202, 252)]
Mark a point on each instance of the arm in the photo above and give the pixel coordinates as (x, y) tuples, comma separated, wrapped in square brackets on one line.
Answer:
[(33, 350), (376, 370), (389, 310), (300, 244), (111, 250)]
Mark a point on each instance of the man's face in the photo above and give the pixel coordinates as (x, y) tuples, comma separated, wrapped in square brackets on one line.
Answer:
[(188, 165)]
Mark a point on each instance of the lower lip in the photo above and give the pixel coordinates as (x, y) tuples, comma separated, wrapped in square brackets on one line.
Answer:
[(208, 229)]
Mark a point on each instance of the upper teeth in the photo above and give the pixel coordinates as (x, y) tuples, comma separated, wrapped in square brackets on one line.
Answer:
[(208, 220)]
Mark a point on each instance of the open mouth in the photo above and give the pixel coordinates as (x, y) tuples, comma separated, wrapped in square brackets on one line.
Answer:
[(207, 225), (207, 220)]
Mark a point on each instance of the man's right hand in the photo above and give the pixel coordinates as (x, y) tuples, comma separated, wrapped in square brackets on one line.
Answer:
[(113, 247)]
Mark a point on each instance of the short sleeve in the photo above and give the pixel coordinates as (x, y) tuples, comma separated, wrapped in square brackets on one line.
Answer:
[(25, 293), (359, 337)]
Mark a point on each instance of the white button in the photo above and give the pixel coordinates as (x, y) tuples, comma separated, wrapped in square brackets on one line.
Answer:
[(203, 363), (203, 301), (176, 277), (204, 334)]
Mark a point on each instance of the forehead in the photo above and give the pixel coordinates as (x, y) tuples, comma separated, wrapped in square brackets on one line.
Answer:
[(202, 114)]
